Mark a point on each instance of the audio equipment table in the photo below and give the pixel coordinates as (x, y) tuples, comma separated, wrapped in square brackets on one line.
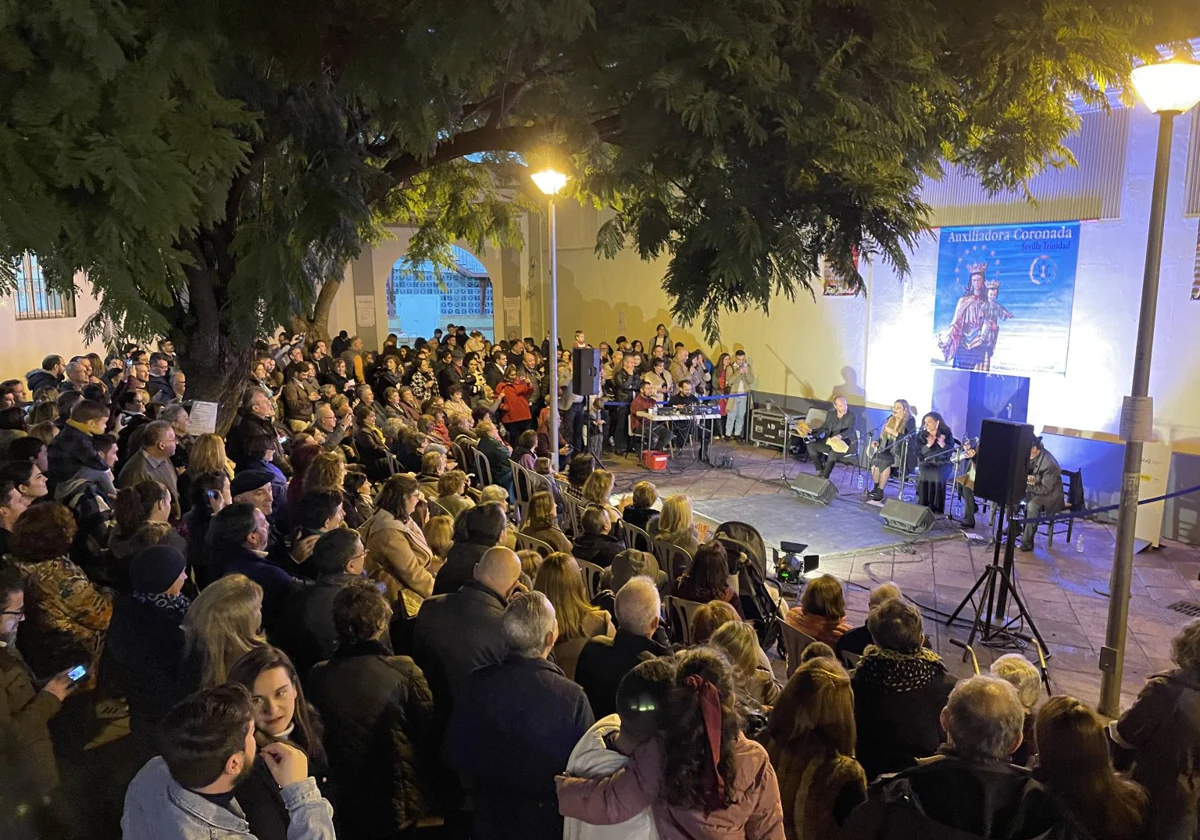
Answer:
[(698, 426)]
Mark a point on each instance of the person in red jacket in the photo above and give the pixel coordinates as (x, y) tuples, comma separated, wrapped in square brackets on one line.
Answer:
[(514, 394)]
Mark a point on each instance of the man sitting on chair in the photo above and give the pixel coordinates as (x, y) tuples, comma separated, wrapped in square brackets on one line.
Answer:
[(645, 401), (683, 428), (841, 427), (1045, 490)]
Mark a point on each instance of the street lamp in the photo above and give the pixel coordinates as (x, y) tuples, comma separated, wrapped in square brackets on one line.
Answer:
[(550, 182), (1169, 89)]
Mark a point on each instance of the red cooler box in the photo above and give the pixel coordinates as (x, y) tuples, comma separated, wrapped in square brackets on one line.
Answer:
[(653, 460)]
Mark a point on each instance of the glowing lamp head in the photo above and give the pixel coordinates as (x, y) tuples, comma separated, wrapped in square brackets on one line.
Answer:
[(549, 181), (1168, 86)]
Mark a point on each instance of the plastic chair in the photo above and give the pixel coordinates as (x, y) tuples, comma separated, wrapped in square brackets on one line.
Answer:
[(528, 543), (679, 619), (482, 468), (591, 577), (635, 537), (794, 643), (672, 559)]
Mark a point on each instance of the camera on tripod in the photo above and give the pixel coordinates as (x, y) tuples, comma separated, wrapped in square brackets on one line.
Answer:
[(792, 564)]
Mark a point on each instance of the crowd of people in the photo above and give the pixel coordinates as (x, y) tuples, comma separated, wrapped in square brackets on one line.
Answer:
[(317, 624)]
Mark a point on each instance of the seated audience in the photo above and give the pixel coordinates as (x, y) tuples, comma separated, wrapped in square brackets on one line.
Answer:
[(397, 554), (66, 614), (458, 632), (222, 624), (378, 714), (708, 617), (209, 747), (702, 772), (639, 714), (210, 495), (28, 770), (821, 613), (152, 462), (578, 621), (281, 716), (1019, 671), (629, 564), (597, 544), (433, 465), (525, 452), (439, 536), (542, 523), (136, 505), (146, 640), (855, 641), (74, 450), (579, 468), (810, 739), (900, 689), (968, 789), (475, 531), (452, 492), (708, 578), (1073, 762), (640, 511), (1160, 739), (514, 727), (357, 498), (597, 490), (304, 627), (676, 526), (318, 513), (756, 686), (604, 660)]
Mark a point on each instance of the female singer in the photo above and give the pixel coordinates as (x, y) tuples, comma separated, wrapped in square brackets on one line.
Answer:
[(935, 445), (887, 453)]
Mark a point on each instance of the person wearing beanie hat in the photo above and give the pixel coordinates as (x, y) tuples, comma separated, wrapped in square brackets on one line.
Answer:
[(254, 487), (629, 564), (145, 641)]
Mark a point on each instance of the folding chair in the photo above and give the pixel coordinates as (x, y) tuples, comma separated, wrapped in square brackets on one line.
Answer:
[(794, 643)]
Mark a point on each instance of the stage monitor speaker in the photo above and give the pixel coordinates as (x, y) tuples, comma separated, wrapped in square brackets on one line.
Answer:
[(1002, 462), (906, 517), (814, 488), (586, 379)]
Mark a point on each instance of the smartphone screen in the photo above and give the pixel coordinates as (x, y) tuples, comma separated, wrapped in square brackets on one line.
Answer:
[(77, 673)]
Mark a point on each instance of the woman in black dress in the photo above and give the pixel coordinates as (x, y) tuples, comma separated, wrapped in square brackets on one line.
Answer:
[(935, 445)]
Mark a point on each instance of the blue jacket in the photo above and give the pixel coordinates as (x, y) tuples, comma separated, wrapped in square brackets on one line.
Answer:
[(158, 808), (276, 583)]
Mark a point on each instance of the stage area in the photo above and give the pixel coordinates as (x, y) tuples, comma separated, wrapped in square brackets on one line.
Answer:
[(843, 528)]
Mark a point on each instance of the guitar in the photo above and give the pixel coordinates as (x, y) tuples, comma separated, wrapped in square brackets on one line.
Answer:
[(966, 450)]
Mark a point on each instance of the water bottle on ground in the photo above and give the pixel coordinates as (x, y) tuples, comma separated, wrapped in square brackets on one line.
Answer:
[(1079, 544), (860, 481)]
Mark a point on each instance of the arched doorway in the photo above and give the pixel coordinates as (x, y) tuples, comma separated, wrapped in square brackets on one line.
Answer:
[(424, 297)]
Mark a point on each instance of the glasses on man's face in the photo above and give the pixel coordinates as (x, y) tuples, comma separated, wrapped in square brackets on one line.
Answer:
[(18, 613)]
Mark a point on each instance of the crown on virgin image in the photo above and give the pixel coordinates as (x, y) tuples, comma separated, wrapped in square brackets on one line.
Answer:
[(977, 267), (991, 284)]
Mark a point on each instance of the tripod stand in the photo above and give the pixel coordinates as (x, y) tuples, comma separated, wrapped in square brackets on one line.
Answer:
[(994, 586)]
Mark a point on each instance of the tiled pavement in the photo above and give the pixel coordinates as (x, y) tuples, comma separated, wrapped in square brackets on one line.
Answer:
[(1061, 587)]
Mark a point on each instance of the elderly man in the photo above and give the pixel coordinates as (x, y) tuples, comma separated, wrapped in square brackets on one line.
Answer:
[(153, 462), (604, 660), (327, 428), (239, 535), (513, 729), (1045, 490), (253, 487), (968, 789), (839, 427), (79, 375), (459, 632)]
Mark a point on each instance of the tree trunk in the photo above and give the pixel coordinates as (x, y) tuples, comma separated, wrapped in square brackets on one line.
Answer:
[(219, 377), (317, 327)]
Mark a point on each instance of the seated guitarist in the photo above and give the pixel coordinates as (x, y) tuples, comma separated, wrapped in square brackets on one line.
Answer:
[(825, 449), (684, 428)]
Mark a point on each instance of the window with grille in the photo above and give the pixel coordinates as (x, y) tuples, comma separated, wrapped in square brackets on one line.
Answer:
[(34, 301)]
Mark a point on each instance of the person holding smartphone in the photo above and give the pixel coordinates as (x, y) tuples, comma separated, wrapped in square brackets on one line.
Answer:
[(28, 771)]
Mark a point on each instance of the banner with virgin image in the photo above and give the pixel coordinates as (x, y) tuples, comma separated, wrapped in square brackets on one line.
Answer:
[(1004, 297)]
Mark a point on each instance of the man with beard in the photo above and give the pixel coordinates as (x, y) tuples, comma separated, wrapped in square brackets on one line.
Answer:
[(208, 748)]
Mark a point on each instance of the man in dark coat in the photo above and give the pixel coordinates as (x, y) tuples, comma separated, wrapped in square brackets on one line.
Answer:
[(513, 729), (456, 633), (900, 689), (477, 530), (604, 660), (239, 536), (255, 420), (597, 544), (72, 449), (304, 626), (49, 375), (1045, 490), (968, 789), (378, 716)]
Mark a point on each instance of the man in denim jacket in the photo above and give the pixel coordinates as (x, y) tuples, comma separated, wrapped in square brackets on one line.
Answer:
[(208, 747)]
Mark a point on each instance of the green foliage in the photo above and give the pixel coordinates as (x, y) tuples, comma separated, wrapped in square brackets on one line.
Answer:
[(212, 164)]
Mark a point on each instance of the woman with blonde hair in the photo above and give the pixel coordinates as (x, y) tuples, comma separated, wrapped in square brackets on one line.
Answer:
[(810, 738), (1074, 763), (398, 555), (208, 455), (821, 613), (677, 526), (326, 473), (560, 580), (756, 685), (223, 624), (708, 618), (452, 492), (439, 534), (542, 522), (597, 490), (889, 449)]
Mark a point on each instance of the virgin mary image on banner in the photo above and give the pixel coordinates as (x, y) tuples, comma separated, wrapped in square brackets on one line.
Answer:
[(1004, 297)]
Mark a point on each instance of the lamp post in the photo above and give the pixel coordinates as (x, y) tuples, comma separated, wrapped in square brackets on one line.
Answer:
[(550, 182), (1169, 89)]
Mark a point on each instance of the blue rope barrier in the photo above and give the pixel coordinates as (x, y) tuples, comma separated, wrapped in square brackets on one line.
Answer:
[(1080, 514)]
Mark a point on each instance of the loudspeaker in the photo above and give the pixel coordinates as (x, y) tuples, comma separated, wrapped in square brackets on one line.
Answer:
[(814, 488), (906, 517), (1002, 462), (585, 378)]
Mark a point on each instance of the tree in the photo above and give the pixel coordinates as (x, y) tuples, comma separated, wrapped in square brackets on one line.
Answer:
[(212, 165)]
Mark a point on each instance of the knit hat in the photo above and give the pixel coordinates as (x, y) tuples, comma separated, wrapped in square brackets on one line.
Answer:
[(155, 569), (630, 564), (244, 482)]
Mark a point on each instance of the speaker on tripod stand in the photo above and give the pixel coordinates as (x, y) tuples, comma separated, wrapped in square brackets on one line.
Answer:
[(1001, 467)]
